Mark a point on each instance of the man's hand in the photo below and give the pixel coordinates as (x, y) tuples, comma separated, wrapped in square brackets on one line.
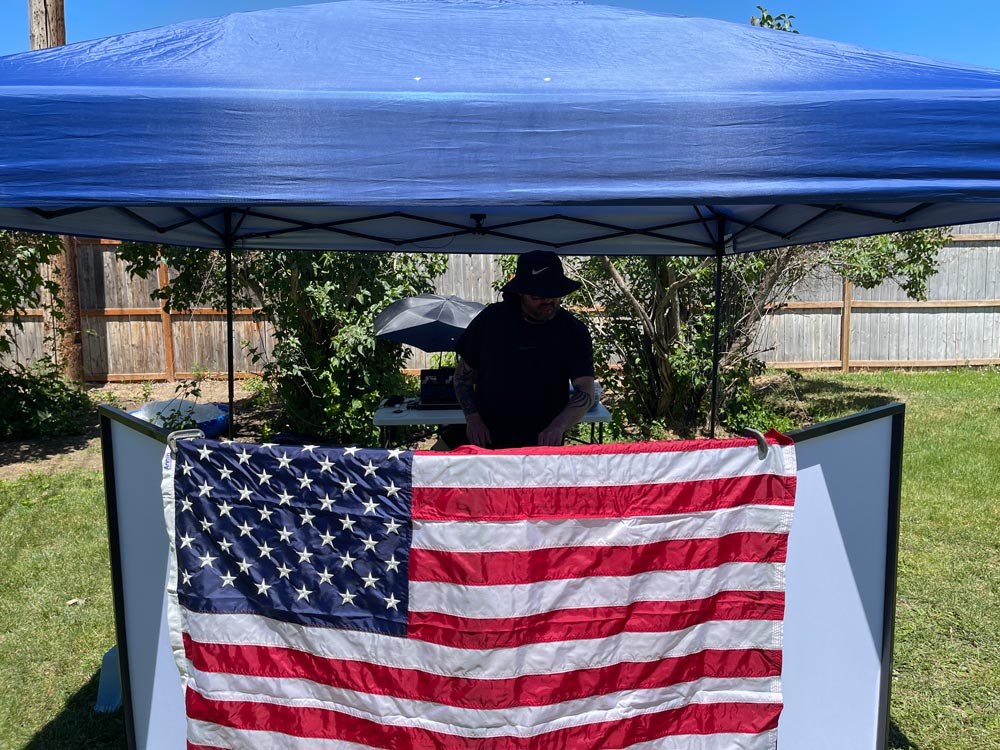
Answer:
[(552, 435), (476, 430)]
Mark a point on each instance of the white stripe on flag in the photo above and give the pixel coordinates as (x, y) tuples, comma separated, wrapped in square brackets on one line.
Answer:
[(519, 600), (513, 536), (763, 741), (536, 658), (216, 735), (596, 470), (213, 735)]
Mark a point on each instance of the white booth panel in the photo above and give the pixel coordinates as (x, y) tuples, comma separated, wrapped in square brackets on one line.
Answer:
[(840, 583), (836, 590), (151, 686)]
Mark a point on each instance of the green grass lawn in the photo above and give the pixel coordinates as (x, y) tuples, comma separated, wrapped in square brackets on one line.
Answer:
[(946, 680), (946, 676), (57, 616), (57, 622)]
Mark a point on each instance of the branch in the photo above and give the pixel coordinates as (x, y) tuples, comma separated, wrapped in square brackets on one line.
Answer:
[(249, 283), (640, 312)]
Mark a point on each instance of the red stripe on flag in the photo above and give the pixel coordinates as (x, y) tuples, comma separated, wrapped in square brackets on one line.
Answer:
[(601, 622), (518, 503), (492, 694), (530, 566), (306, 721)]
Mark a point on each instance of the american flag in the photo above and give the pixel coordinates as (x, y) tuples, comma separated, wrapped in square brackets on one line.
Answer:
[(574, 598)]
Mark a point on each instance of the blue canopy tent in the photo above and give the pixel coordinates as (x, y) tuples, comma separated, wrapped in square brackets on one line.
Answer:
[(481, 127), (489, 127)]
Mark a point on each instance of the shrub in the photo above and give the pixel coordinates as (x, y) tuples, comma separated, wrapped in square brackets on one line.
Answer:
[(40, 403)]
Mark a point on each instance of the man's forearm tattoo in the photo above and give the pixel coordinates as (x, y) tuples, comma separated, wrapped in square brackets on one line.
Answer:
[(580, 399), (465, 387)]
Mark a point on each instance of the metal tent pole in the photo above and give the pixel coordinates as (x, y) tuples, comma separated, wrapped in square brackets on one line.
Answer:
[(716, 316), (229, 321)]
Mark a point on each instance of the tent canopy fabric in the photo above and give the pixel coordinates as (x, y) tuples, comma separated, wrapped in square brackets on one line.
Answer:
[(467, 126)]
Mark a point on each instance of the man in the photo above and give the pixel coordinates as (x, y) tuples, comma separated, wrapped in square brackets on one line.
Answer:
[(517, 358)]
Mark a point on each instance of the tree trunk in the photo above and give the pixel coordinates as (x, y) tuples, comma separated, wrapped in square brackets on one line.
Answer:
[(47, 28), (70, 336)]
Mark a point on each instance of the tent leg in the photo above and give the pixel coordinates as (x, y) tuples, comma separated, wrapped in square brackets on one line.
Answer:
[(229, 325), (716, 344)]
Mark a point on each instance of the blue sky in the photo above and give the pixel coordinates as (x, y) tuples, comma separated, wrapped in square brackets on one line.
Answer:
[(960, 30)]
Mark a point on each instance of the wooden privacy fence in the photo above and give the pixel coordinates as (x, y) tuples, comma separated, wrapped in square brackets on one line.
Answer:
[(127, 336), (829, 324), (832, 324)]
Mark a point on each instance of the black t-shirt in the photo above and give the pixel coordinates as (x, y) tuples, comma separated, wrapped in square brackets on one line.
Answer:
[(524, 369)]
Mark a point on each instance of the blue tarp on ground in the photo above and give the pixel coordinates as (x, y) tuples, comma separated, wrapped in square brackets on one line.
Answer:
[(371, 124)]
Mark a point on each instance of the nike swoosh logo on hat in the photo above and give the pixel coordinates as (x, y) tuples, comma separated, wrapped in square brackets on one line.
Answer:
[(535, 272)]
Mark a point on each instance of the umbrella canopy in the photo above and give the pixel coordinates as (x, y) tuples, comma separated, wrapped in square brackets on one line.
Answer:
[(428, 321), (472, 126)]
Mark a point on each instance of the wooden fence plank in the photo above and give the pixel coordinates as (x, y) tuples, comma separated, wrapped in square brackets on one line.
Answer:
[(847, 292)]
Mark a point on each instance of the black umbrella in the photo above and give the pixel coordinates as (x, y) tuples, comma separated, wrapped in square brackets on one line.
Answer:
[(428, 321)]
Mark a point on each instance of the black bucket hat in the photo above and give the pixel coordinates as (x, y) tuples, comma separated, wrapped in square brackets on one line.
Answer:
[(540, 274)]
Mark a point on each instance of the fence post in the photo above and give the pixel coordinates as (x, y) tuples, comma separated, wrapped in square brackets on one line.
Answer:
[(845, 326)]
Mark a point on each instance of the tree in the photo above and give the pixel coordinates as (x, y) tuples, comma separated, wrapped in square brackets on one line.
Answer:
[(652, 319), (23, 286), (37, 401), (47, 28), (781, 22), (326, 367)]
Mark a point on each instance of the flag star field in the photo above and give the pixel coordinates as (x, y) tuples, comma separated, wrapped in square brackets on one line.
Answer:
[(256, 537)]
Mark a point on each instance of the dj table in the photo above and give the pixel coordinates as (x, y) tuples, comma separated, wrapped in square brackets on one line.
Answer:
[(410, 413)]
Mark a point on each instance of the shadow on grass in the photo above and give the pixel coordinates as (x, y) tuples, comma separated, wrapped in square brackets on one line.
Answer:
[(818, 398), (250, 422), (79, 726), (897, 739), (22, 451), (836, 398)]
